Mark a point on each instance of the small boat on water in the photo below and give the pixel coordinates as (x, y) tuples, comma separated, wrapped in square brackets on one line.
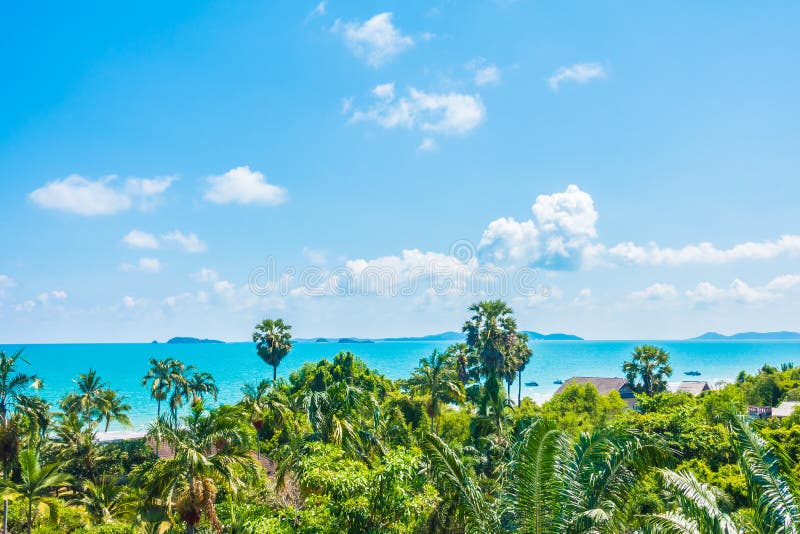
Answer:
[(531, 384), (692, 373), (558, 382)]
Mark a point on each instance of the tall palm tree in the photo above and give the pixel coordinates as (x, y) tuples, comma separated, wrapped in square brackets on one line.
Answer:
[(523, 354), (88, 399), (648, 369), (201, 384), (438, 379), (462, 356), (112, 407), (36, 486), (273, 342), (162, 376), (13, 385), (210, 450), (554, 485)]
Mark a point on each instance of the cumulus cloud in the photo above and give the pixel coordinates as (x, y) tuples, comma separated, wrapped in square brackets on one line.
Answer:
[(139, 239), (82, 196), (145, 265), (376, 40), (784, 282), (188, 242), (243, 186), (445, 113), (558, 237), (577, 73), (657, 291), (484, 73), (706, 293), (701, 253)]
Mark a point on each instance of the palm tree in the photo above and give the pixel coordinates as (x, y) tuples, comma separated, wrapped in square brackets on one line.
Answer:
[(107, 500), (554, 485), (162, 375), (88, 399), (112, 407), (770, 482), (436, 378), (36, 485), (201, 384), (273, 342), (648, 369), (263, 403), (210, 449), (13, 385), (698, 509), (336, 414), (462, 356)]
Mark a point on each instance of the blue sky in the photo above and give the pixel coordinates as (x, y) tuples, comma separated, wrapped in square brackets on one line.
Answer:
[(634, 167)]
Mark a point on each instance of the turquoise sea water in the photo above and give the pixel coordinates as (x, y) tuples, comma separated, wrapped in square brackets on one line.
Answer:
[(233, 364)]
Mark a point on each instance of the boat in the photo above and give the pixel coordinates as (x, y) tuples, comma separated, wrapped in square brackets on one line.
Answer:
[(531, 384), (558, 382), (692, 373)]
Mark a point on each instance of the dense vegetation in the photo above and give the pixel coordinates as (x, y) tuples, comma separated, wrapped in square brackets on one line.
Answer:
[(338, 447)]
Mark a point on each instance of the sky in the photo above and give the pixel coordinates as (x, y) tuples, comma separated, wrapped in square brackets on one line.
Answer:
[(615, 170)]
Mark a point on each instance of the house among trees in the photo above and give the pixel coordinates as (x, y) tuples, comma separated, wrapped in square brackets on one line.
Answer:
[(693, 387), (785, 409), (604, 386)]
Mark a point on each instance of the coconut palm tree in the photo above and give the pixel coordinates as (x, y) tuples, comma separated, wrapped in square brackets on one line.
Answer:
[(463, 357), (13, 385), (555, 484), (263, 403), (112, 407), (523, 354), (88, 399), (273, 342), (210, 450), (437, 378), (162, 376), (648, 369), (107, 500), (336, 414), (201, 384), (36, 485)]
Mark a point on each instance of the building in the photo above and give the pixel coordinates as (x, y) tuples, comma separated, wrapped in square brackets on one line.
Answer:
[(604, 386), (785, 408), (693, 387)]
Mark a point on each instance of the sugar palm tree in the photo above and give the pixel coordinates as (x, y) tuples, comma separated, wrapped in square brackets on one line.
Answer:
[(523, 354), (88, 399), (112, 407), (36, 485), (162, 376), (273, 342), (13, 387), (436, 378), (648, 369), (210, 450)]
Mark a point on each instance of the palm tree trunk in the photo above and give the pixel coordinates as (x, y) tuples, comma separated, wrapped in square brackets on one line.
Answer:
[(519, 387), (508, 390), (158, 413), (274, 373)]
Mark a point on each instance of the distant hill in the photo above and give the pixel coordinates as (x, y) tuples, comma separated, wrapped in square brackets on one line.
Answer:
[(551, 337), (444, 336), (192, 340), (744, 336), (354, 340)]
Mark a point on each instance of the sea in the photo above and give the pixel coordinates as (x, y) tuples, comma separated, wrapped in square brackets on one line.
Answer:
[(122, 366)]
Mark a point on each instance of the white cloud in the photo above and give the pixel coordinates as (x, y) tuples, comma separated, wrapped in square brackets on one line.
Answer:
[(319, 10), (559, 237), (376, 40), (706, 293), (657, 291), (784, 282), (189, 243), (314, 256), (139, 239), (706, 252), (384, 91), (347, 104), (26, 306), (79, 195), (428, 145), (6, 282), (584, 296), (484, 73), (446, 113), (243, 186), (206, 275), (145, 265), (131, 302), (578, 73)]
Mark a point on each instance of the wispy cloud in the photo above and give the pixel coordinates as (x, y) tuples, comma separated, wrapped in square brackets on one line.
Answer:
[(577, 73), (657, 291), (145, 265), (484, 73), (188, 242), (376, 40)]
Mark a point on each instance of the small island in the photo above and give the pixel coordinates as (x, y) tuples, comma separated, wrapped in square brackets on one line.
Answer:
[(193, 340)]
